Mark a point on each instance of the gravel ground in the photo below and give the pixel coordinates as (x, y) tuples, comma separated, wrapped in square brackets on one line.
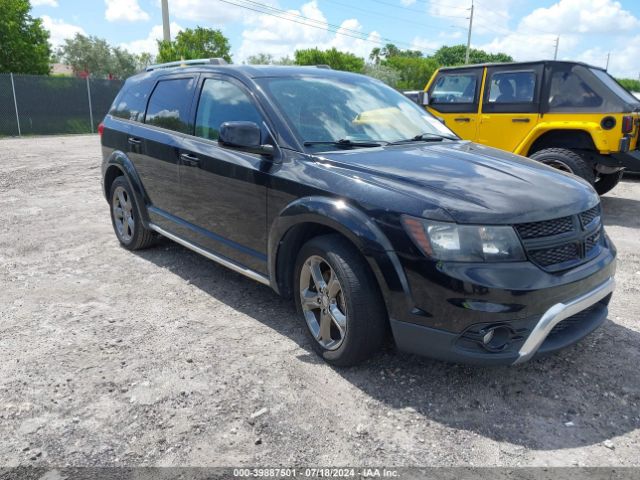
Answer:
[(161, 357)]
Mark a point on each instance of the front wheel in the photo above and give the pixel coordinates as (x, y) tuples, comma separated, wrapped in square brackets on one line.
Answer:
[(565, 160), (606, 181), (339, 301)]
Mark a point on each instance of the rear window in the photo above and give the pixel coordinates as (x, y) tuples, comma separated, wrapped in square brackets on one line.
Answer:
[(576, 88), (169, 104), (131, 102)]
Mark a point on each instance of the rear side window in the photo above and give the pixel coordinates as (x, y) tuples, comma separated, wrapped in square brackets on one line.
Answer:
[(512, 87), (576, 88), (131, 102), (222, 101), (170, 103)]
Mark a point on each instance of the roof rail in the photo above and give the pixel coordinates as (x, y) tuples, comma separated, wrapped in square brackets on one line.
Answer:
[(323, 65), (188, 63)]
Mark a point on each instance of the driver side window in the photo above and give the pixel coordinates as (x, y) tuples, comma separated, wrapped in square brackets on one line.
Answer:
[(223, 101), (456, 91)]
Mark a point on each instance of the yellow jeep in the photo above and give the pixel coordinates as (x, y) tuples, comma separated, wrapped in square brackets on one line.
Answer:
[(569, 115)]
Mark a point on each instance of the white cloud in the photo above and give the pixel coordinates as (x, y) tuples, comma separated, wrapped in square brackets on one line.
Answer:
[(44, 3), (624, 61), (580, 16), (207, 11), (124, 10), (456, 12), (59, 30), (425, 45), (578, 23), (150, 44), (280, 37), (406, 3)]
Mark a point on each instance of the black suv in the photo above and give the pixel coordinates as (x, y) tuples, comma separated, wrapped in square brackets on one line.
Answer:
[(338, 191)]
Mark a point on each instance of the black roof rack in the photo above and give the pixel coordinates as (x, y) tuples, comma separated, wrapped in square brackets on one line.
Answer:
[(188, 63)]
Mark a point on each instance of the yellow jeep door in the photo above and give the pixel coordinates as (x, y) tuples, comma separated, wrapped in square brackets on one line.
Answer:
[(510, 105), (454, 96)]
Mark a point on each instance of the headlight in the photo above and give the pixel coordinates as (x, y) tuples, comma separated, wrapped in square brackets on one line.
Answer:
[(464, 243)]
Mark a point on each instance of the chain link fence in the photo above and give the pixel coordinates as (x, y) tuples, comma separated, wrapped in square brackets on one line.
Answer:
[(42, 105)]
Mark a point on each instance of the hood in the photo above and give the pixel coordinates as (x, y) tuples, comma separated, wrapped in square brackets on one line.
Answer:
[(472, 183)]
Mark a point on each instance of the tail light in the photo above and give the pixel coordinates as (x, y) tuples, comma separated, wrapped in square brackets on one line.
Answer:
[(100, 129), (627, 124)]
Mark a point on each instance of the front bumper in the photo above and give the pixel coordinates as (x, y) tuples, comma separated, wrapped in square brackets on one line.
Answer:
[(583, 315), (540, 312)]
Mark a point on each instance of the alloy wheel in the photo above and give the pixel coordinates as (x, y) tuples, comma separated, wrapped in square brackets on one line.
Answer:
[(323, 302), (123, 214)]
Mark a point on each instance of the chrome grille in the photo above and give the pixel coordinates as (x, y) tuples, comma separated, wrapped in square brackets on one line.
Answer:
[(564, 242)]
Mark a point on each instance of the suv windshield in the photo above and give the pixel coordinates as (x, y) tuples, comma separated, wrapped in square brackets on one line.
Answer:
[(618, 89), (349, 111)]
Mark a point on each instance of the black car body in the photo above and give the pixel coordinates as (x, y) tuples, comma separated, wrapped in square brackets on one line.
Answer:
[(254, 208)]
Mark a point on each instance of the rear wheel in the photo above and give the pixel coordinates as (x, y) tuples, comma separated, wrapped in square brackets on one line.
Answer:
[(130, 231), (565, 160), (606, 181), (339, 301)]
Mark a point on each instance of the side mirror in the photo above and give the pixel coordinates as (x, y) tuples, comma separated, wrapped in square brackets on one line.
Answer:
[(244, 136), (423, 99)]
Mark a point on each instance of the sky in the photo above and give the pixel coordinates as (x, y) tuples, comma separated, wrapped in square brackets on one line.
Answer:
[(588, 30)]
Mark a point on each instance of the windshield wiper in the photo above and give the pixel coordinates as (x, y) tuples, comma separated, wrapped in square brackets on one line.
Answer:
[(425, 137), (346, 143)]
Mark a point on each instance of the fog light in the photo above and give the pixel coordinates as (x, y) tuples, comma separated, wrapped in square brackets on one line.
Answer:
[(497, 338)]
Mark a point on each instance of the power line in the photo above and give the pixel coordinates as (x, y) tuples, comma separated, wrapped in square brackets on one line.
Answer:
[(328, 27), (383, 15), (395, 6)]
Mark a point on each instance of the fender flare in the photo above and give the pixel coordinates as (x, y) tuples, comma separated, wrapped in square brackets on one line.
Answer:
[(122, 162), (542, 128), (352, 223)]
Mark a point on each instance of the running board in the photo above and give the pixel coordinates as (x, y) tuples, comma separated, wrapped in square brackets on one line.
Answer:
[(258, 277)]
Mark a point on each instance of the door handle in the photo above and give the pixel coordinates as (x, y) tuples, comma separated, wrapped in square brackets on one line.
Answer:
[(520, 120), (134, 141), (462, 119), (189, 160)]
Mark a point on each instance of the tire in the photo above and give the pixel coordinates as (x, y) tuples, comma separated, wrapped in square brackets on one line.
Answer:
[(607, 181), (565, 160), (128, 227), (357, 306)]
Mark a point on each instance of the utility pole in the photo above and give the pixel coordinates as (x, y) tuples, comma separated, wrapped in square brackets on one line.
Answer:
[(608, 57), (166, 29), (555, 55), (466, 58)]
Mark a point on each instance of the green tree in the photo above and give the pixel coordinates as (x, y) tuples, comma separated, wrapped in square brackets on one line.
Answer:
[(261, 59), (96, 57), (24, 42), (195, 43), (123, 63), (334, 58), (455, 55), (630, 84), (414, 72), (144, 60), (384, 73)]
